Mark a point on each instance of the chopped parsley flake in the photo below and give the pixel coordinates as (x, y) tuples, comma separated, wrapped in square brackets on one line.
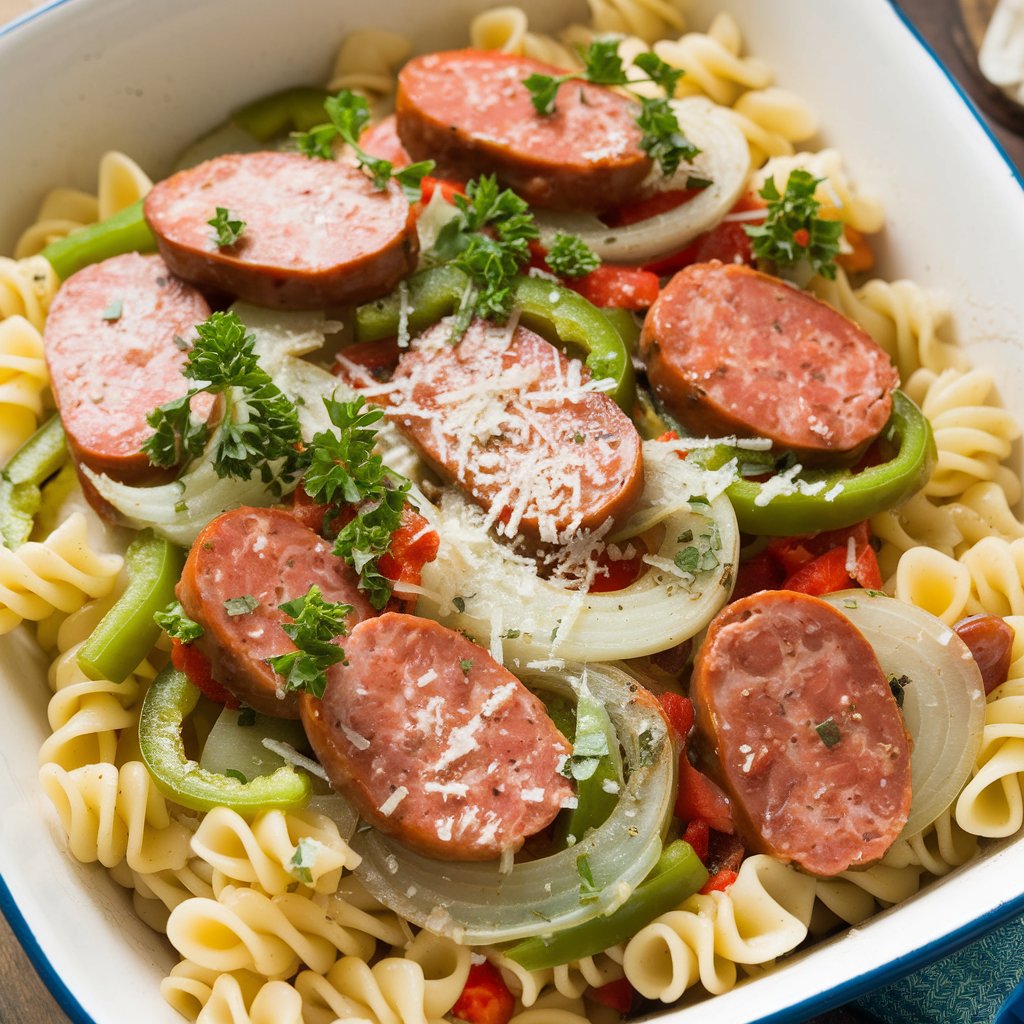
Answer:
[(829, 732), (227, 229), (177, 625), (234, 773), (241, 605), (589, 891), (113, 310), (466, 664), (304, 859)]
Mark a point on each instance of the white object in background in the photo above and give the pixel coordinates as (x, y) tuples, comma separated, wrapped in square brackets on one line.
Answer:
[(1001, 57)]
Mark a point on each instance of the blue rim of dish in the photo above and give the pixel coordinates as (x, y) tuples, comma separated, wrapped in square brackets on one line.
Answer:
[(815, 1004)]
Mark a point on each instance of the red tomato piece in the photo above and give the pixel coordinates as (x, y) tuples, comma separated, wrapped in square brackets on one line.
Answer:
[(793, 552), (699, 797), (449, 189), (616, 994), (679, 712), (617, 287), (761, 572), (186, 658), (413, 544), (825, 575), (378, 357), (650, 206), (485, 997), (308, 512), (698, 834), (669, 435), (719, 882), (619, 573)]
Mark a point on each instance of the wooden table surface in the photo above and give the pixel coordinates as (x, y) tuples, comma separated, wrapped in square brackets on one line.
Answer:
[(952, 28)]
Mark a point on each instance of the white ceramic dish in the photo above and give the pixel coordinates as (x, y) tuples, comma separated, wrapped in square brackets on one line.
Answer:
[(82, 76)]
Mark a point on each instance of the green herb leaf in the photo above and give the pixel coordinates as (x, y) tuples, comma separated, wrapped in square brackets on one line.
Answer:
[(234, 773), (259, 427), (829, 732), (466, 664), (227, 229), (792, 230), (702, 555), (246, 717), (349, 114), (241, 605), (316, 624), (344, 471), (177, 625), (663, 75), (589, 891), (570, 256), (602, 64), (113, 310), (543, 90), (304, 859), (663, 140), (511, 634)]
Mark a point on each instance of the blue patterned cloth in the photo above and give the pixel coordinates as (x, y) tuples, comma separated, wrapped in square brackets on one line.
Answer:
[(972, 986)]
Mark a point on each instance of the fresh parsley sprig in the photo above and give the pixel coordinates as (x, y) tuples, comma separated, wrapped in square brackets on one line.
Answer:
[(792, 230), (259, 425), (343, 471), (349, 114), (570, 256), (177, 625), (227, 229), (316, 624), (663, 138), (489, 239)]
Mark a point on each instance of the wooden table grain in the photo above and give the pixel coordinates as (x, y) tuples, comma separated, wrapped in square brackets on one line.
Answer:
[(951, 29)]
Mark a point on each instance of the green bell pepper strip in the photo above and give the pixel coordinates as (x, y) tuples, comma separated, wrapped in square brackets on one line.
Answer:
[(594, 739), (678, 874), (169, 700), (296, 109), (29, 467), (543, 305), (125, 635), (125, 231), (854, 496)]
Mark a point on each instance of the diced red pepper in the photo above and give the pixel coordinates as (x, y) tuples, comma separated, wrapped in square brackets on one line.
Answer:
[(793, 552), (449, 189), (673, 659), (697, 834), (669, 435), (413, 544), (761, 572), (860, 257), (725, 852), (719, 882), (188, 659), (825, 575), (699, 797), (802, 237), (619, 573), (618, 995), (378, 357), (679, 712), (617, 287), (650, 206), (485, 997)]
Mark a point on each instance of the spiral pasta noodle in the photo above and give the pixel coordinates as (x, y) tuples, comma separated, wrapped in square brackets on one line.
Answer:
[(112, 814), (648, 19), (260, 854), (506, 29), (27, 288), (367, 61), (23, 382), (60, 573), (210, 997), (567, 980)]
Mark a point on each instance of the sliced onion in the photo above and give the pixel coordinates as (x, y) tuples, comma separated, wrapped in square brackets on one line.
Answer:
[(476, 903), (943, 704), (724, 160), (240, 748), (501, 592)]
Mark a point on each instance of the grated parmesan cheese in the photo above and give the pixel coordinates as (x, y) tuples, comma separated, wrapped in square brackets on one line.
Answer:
[(391, 804)]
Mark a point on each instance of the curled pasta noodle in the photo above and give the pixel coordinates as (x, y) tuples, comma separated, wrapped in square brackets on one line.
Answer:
[(836, 194), (417, 989), (996, 568), (712, 62), (23, 382), (973, 435), (648, 19), (992, 803), (260, 854), (937, 849), (352, 907), (764, 914), (27, 288), (246, 929), (60, 573), (111, 814), (367, 61), (983, 510), (772, 120), (157, 893), (568, 980), (506, 29), (936, 582), (908, 321), (210, 997), (64, 210)]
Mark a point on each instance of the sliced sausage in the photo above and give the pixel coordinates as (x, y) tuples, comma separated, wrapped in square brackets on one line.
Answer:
[(437, 743), (112, 353), (511, 421), (381, 140), (802, 731), (317, 232), (990, 640), (470, 111), (733, 351), (267, 555)]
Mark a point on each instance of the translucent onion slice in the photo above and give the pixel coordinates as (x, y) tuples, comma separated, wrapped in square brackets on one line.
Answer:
[(476, 903), (500, 593), (234, 747), (724, 160), (943, 703)]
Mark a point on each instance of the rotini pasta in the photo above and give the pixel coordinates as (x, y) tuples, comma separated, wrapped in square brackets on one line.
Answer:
[(507, 29), (23, 382), (60, 573), (27, 288), (211, 997), (367, 61)]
